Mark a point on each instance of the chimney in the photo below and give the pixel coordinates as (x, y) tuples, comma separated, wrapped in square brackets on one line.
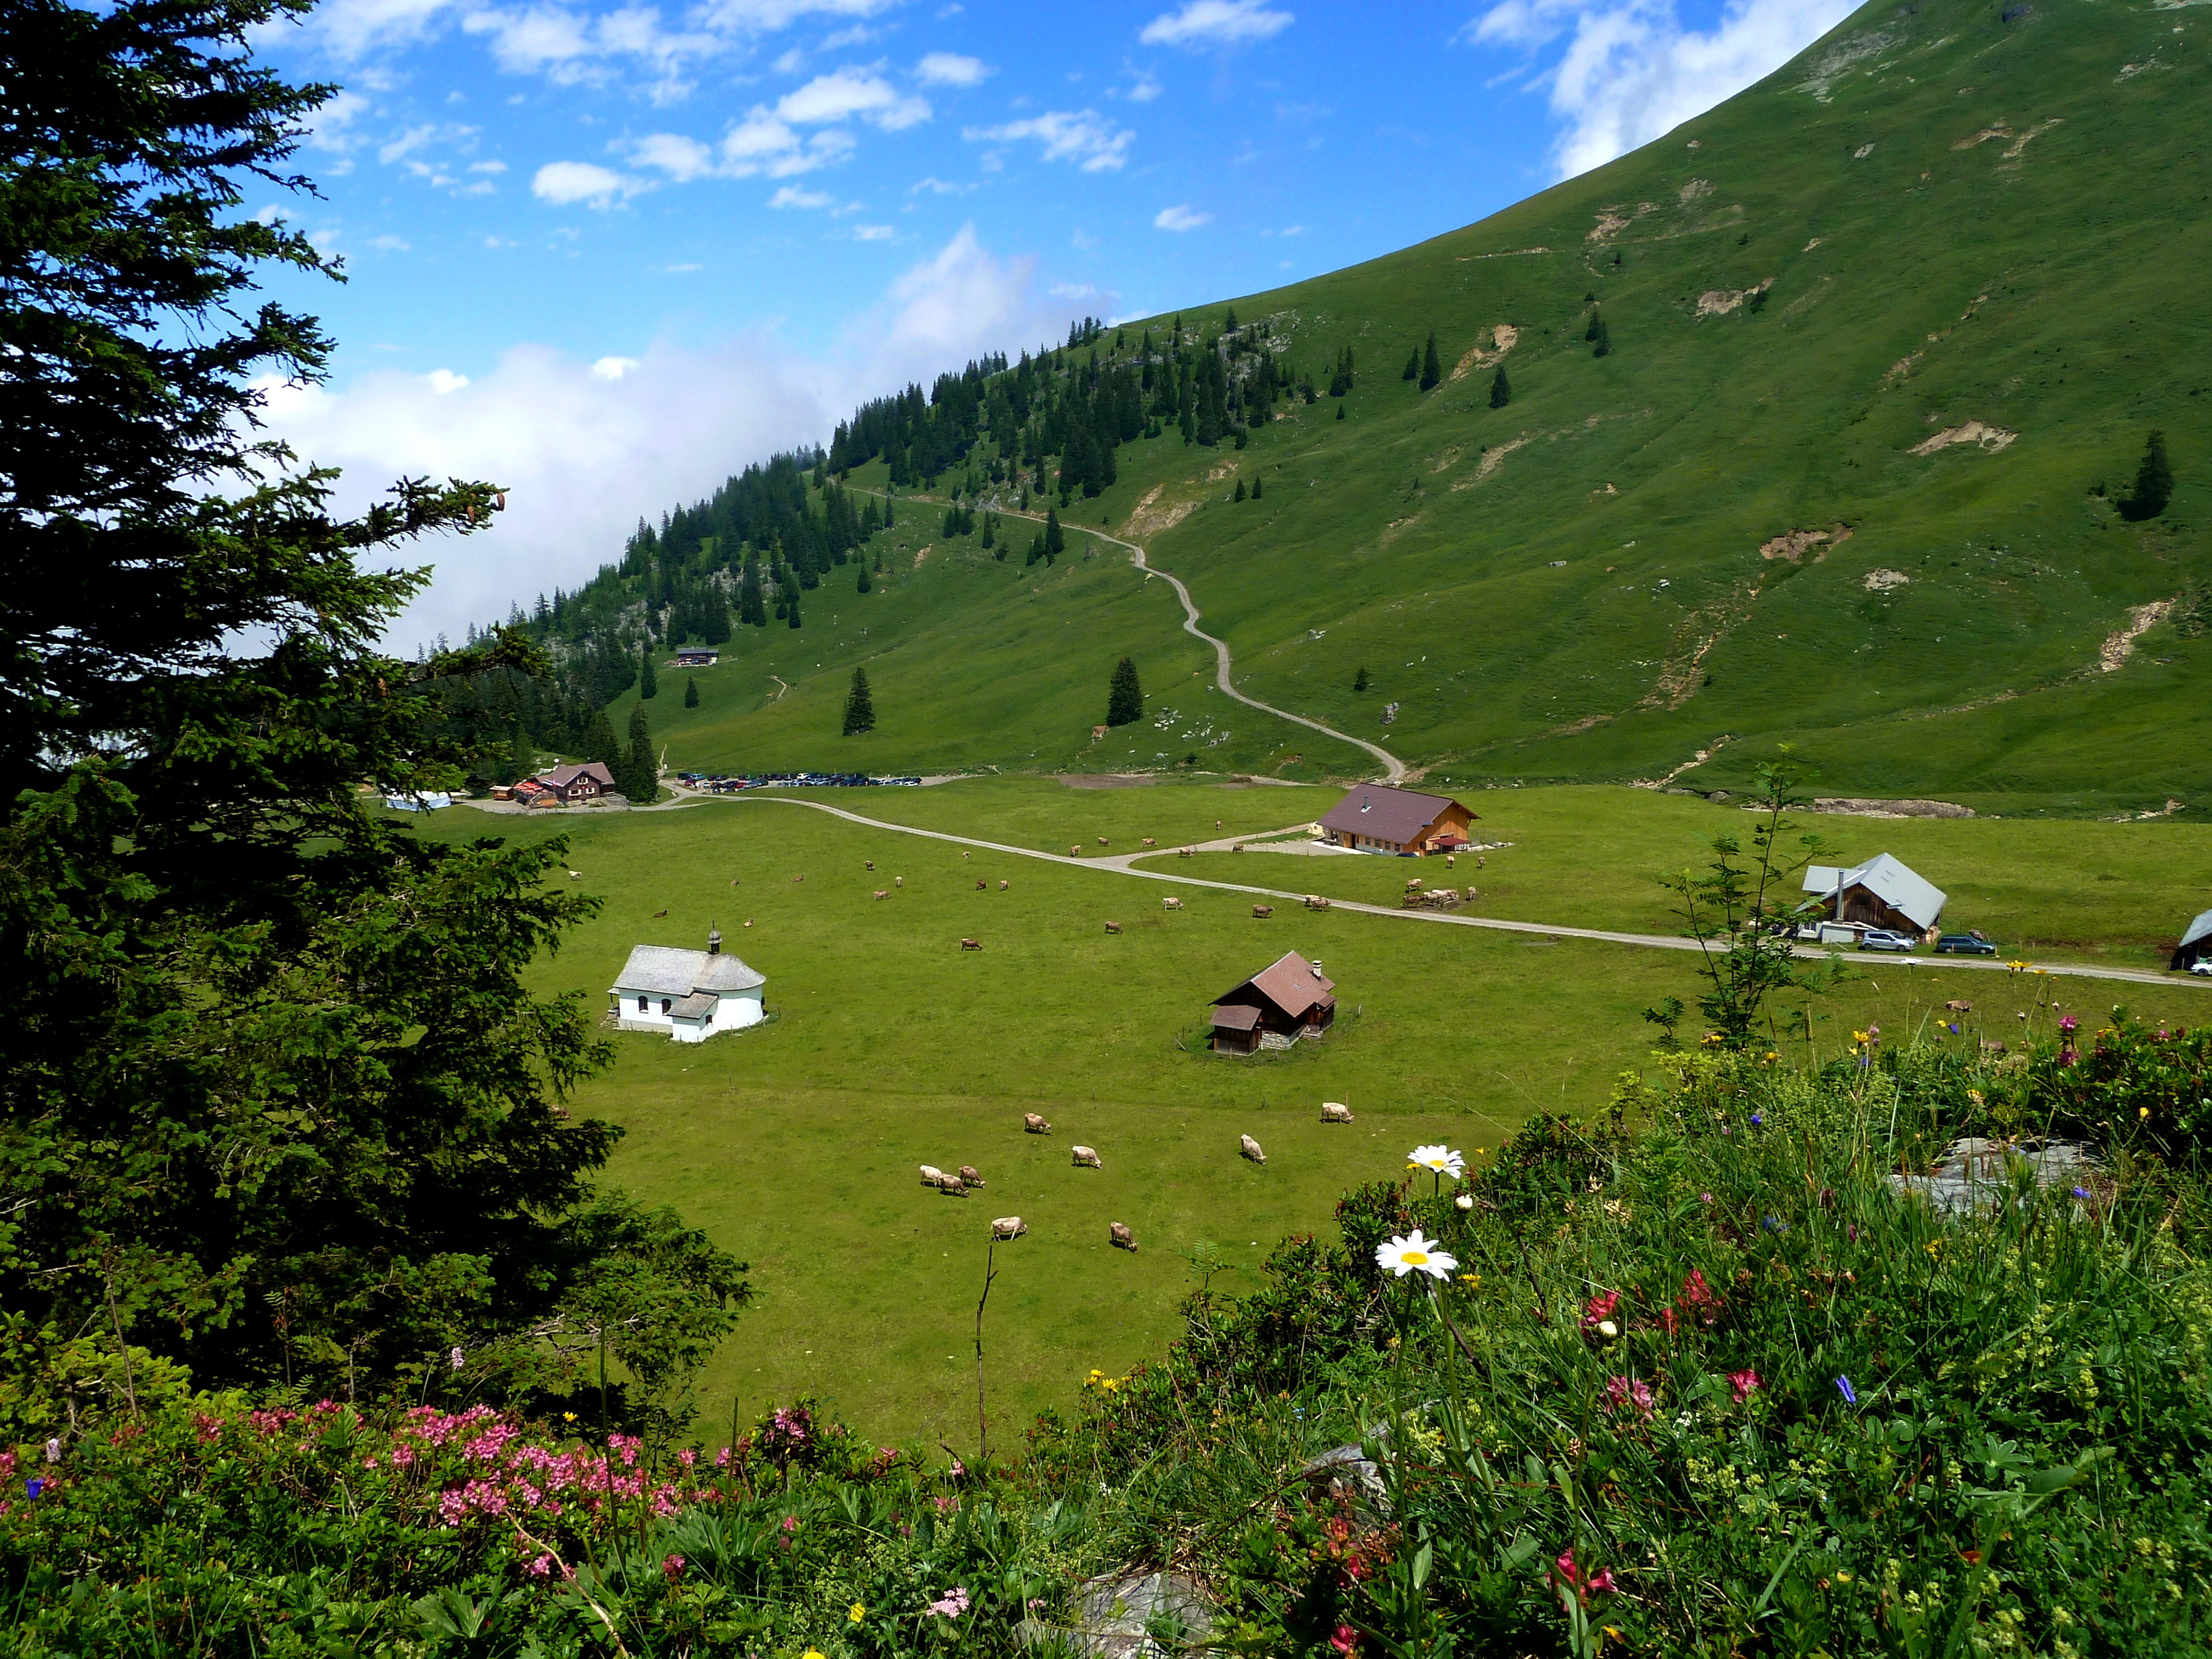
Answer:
[(1317, 967), (1363, 803), (713, 941)]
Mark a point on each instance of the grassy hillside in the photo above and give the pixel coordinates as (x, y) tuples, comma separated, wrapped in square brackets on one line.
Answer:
[(1935, 218)]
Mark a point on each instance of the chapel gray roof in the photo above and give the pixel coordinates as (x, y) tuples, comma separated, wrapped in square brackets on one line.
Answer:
[(665, 970), (2198, 928), (698, 1006), (1893, 882), (1392, 815)]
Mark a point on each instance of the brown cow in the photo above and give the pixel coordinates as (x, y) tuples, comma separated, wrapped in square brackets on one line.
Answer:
[(1102, 840), (952, 1187), (1263, 911), (968, 1174), (1113, 927), (1087, 1159), (981, 886), (872, 864), (1034, 1124), (971, 944), (657, 915), (1075, 852), (1957, 1007), (1148, 841), (882, 893), (1118, 1234)]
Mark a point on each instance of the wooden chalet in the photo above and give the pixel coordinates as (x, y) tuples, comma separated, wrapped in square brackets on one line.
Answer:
[(1401, 823), (571, 785), (1287, 1000), (1883, 892)]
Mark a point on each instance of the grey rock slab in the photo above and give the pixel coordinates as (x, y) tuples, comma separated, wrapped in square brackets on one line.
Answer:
[(1135, 1614), (1976, 1173)]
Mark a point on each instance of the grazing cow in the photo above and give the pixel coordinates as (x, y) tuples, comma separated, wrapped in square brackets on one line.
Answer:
[(657, 915), (1087, 1159), (798, 878), (971, 944), (871, 864), (898, 881), (1075, 852), (981, 886), (1250, 1148), (968, 1174), (1333, 1111), (1118, 1235), (1237, 847), (1034, 1124), (1315, 901), (1004, 883), (1102, 840), (1450, 862), (575, 875), (952, 1187), (1263, 911), (1147, 841), (1217, 824), (931, 1175), (1183, 852), (883, 893), (964, 855), (1113, 927), (1957, 1007), (1008, 1226), (1170, 904), (1414, 885)]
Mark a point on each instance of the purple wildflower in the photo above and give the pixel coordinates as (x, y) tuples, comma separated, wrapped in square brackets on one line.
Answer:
[(34, 1485), (1850, 1398), (2081, 1192)]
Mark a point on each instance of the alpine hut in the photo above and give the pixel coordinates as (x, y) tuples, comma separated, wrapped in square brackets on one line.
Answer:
[(1883, 892), (2196, 945), (1285, 1000), (689, 994), (1402, 823)]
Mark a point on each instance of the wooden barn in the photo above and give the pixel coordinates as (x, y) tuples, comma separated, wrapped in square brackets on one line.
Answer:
[(1883, 892), (2196, 945), (1401, 823), (1287, 1000), (573, 785)]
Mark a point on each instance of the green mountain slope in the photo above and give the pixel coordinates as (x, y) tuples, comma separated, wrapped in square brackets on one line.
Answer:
[(1888, 333)]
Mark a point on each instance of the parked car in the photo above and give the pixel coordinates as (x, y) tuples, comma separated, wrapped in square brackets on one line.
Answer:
[(1965, 944), (1881, 939), (2202, 965)]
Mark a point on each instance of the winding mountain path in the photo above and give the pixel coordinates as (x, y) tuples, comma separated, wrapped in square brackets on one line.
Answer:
[(1125, 866), (1224, 663)]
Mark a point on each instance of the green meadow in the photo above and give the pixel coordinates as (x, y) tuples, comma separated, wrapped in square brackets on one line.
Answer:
[(796, 1144)]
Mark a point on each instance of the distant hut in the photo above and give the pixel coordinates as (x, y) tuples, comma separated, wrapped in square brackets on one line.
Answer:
[(570, 785), (689, 994), (1401, 823), (2196, 945), (1883, 892), (1288, 1000)]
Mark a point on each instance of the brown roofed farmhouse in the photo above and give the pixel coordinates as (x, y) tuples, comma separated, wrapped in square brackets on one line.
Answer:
[(1285, 1000), (1400, 822)]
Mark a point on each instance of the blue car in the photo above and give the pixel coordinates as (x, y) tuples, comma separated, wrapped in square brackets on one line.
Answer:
[(1965, 944)]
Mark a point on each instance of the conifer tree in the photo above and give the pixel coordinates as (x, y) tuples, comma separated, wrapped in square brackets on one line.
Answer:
[(1240, 490), (2154, 486), (648, 682), (750, 607), (637, 777), (1229, 320), (1036, 549), (791, 612), (1501, 389), (1255, 490), (860, 706), (1412, 365), (1055, 538), (599, 743), (864, 585), (522, 755), (887, 512), (691, 692), (1433, 368), (1124, 698), (1359, 680), (1589, 334), (1604, 346)]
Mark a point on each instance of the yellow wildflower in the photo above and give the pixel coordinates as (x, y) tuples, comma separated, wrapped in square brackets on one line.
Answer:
[(858, 1613), (1472, 1281)]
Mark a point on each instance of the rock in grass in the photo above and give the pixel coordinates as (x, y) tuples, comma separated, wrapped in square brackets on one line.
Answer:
[(1087, 1159), (1250, 1148)]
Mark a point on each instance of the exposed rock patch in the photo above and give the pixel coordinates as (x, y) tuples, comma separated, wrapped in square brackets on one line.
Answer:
[(1856, 806), (1991, 438), (2118, 647), (1831, 65), (1881, 582), (1503, 337), (1794, 544)]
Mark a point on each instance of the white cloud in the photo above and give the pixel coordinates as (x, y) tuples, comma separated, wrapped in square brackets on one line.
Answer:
[(1146, 88), (1205, 23), (486, 166), (846, 92), (937, 186), (1631, 71), (388, 244), (332, 126), (949, 69), (584, 450), (562, 183), (444, 382), (873, 233), (1180, 217), (1084, 136), (792, 196)]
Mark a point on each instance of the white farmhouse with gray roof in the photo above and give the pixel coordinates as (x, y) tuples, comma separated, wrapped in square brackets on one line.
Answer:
[(1883, 892), (689, 994)]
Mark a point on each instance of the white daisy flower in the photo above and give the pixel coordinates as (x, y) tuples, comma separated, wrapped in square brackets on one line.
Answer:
[(1438, 1160), (1465, 1200), (1414, 1254)]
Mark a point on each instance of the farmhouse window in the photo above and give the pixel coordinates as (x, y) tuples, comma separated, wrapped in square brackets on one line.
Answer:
[(641, 1004), (665, 1004)]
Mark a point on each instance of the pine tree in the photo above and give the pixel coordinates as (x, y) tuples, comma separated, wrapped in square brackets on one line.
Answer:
[(791, 613), (1359, 680), (1124, 698), (2154, 481), (1229, 320), (1255, 490), (521, 756), (1055, 538), (691, 692), (1412, 365), (887, 512), (648, 682), (638, 777), (1036, 549), (1240, 490), (1433, 368), (864, 586), (599, 743), (1501, 389), (860, 707), (1589, 334), (1604, 346)]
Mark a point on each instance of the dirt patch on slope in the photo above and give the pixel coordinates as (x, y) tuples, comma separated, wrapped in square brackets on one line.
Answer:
[(1609, 225), (1991, 438), (1794, 544), (1494, 458), (1148, 517), (2119, 647), (1107, 781), (1831, 65), (1854, 807), (1719, 301), (1881, 581), (1683, 671), (1503, 337)]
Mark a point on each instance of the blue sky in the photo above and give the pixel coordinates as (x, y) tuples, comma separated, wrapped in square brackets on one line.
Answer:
[(606, 254)]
